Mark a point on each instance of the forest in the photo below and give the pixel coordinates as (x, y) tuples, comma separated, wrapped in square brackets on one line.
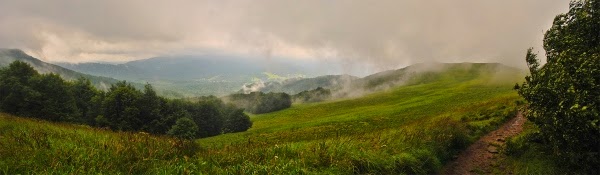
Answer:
[(27, 93)]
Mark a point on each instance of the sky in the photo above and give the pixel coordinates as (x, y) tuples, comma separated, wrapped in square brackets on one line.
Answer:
[(356, 34)]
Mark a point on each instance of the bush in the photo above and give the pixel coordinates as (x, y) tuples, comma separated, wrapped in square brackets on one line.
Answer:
[(184, 128), (236, 121)]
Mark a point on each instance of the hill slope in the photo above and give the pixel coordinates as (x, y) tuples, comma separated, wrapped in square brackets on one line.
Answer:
[(30, 146), (413, 128), (7, 56), (409, 129)]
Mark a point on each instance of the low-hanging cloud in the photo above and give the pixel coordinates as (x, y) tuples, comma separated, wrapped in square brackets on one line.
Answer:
[(359, 35)]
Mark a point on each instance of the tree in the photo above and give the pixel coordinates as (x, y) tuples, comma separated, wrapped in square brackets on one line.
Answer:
[(170, 112), (259, 102), (150, 105), (184, 128), (15, 90), (84, 93), (53, 100), (208, 117), (121, 107), (236, 121), (564, 94)]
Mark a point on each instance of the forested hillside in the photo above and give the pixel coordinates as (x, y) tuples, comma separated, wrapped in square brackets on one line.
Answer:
[(8, 56), (25, 92)]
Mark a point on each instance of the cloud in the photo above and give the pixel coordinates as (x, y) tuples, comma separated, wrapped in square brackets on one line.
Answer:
[(358, 35)]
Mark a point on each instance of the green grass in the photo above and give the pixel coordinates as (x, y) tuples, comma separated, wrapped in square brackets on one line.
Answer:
[(523, 155), (33, 146), (412, 129)]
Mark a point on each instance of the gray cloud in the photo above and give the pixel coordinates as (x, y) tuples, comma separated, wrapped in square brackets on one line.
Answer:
[(358, 35)]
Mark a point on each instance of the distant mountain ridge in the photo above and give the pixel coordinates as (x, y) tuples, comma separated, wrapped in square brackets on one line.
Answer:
[(194, 68), (183, 76), (8, 56), (200, 75), (350, 86)]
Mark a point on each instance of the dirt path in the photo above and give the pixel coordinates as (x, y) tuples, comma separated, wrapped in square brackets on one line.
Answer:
[(481, 156)]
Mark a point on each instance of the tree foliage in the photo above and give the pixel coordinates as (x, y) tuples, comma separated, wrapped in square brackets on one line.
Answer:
[(563, 95), (259, 102), (25, 92), (236, 120), (315, 95), (184, 128)]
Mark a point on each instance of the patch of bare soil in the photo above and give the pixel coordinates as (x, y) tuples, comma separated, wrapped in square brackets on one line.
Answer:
[(481, 156)]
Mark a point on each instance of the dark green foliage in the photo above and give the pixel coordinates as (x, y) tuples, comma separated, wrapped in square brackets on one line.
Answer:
[(236, 121), (53, 100), (121, 107), (15, 91), (25, 92), (564, 94), (207, 116), (259, 102), (150, 105), (84, 95), (315, 95), (184, 128)]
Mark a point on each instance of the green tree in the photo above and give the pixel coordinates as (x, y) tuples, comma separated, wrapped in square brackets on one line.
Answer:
[(207, 116), (16, 94), (150, 105), (184, 128), (169, 113), (121, 107), (564, 94), (236, 121), (53, 100), (84, 93)]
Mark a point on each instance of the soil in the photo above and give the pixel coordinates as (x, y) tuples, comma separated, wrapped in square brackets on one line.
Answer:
[(481, 157)]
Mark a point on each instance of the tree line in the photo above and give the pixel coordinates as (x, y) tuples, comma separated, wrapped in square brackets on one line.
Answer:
[(25, 92), (260, 102)]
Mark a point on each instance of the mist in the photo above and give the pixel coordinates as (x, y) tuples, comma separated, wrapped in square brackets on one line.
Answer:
[(359, 37)]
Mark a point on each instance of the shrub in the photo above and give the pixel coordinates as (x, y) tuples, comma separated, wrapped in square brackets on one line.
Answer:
[(184, 128)]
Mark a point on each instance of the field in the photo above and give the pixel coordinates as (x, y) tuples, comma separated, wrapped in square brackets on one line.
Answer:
[(409, 129)]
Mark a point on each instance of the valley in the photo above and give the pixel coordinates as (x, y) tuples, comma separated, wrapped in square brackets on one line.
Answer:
[(300, 87)]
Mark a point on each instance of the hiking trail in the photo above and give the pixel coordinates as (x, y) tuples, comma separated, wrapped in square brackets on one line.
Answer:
[(481, 157)]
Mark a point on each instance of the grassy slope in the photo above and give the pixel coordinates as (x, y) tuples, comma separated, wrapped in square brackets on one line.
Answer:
[(31, 146), (409, 129)]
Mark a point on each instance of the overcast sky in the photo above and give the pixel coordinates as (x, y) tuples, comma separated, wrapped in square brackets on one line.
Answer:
[(371, 35)]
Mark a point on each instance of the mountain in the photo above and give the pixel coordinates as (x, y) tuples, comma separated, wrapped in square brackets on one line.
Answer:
[(428, 72), (350, 86), (8, 56), (197, 75)]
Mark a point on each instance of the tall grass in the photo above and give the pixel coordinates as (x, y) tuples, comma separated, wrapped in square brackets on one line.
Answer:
[(28, 146)]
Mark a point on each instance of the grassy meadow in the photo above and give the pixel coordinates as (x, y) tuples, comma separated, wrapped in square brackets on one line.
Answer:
[(411, 129)]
